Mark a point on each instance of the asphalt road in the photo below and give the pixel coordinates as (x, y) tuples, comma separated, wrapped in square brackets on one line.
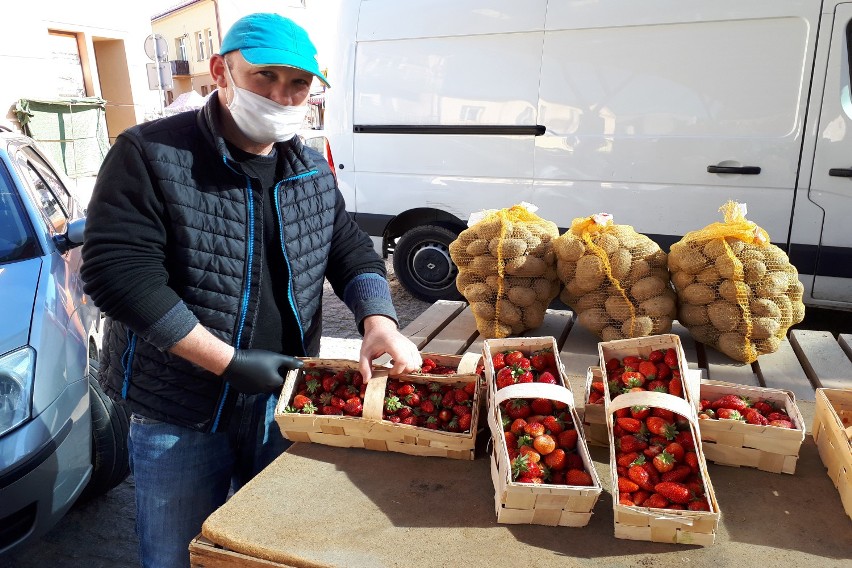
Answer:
[(100, 534)]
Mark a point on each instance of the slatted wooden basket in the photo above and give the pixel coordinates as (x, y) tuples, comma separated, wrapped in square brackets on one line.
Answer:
[(832, 431), (736, 443), (663, 525), (370, 431), (594, 415)]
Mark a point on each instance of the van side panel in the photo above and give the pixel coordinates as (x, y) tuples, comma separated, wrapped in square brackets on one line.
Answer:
[(636, 112)]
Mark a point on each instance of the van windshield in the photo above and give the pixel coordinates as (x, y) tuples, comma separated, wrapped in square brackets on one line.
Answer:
[(17, 241)]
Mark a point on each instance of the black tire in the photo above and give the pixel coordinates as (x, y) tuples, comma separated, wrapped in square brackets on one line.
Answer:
[(110, 426), (421, 261)]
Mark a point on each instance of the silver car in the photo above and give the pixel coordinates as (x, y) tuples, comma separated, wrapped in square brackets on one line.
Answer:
[(61, 439)]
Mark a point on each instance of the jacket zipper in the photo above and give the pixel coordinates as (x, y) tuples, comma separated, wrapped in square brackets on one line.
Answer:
[(127, 362), (290, 297)]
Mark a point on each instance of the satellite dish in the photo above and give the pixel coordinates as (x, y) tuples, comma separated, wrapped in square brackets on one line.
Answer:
[(156, 48)]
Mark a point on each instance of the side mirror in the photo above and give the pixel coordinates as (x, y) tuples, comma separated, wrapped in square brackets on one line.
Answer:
[(73, 236)]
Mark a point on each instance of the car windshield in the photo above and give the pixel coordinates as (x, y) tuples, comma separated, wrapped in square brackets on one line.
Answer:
[(17, 241)]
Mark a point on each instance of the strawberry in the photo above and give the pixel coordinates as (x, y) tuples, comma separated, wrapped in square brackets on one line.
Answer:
[(670, 358), (526, 377), (664, 372), (532, 455), (627, 486), (331, 410), (567, 439), (656, 356), (547, 378), (684, 438), (392, 404), (541, 406), (513, 358), (648, 369), (498, 360), (673, 491), (427, 406), (556, 459), (732, 402), (518, 426), (573, 461), (544, 444), (691, 459), (404, 412), (753, 416), (630, 424), (539, 362), (660, 427), (631, 362), (652, 451), (664, 462), (658, 386), (465, 422), (639, 412), (299, 401), (353, 406), (534, 429), (595, 398), (461, 410), (698, 505), (432, 423), (675, 387), (729, 414), (639, 497), (505, 377), (578, 477), (632, 379), (625, 460), (656, 501), (625, 500), (631, 443), (764, 407), (666, 415), (782, 424), (777, 416), (679, 473), (676, 451), (638, 474), (553, 424), (519, 408), (405, 390)]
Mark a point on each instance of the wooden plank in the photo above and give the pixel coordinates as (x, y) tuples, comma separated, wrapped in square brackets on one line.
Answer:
[(431, 321), (455, 337), (205, 554), (720, 367), (579, 352), (845, 341), (557, 324), (782, 370), (822, 358), (688, 343)]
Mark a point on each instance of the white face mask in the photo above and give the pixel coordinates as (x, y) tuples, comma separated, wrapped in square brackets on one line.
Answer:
[(262, 120)]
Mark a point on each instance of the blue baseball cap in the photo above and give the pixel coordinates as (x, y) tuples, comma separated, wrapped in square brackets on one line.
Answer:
[(271, 39)]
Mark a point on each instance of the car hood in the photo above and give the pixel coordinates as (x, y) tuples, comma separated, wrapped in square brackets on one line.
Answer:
[(18, 281)]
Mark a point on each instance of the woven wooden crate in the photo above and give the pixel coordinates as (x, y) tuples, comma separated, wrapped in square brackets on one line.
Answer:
[(642, 347), (832, 431), (370, 431), (594, 415), (545, 504), (663, 525), (736, 443)]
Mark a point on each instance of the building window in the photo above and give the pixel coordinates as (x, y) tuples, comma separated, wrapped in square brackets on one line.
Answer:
[(180, 43), (204, 90), (200, 38), (65, 55), (210, 48)]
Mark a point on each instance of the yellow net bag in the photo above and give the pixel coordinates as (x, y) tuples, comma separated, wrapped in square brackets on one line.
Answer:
[(616, 279), (737, 291), (506, 270)]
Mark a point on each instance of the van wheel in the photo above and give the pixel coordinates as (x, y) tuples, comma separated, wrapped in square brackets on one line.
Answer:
[(110, 426), (421, 261)]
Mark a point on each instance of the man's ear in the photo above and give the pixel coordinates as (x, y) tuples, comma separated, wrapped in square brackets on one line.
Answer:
[(217, 70)]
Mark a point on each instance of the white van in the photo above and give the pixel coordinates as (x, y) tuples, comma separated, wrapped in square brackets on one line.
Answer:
[(657, 112)]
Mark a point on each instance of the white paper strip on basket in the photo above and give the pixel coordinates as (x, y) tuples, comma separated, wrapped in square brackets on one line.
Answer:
[(651, 398), (374, 396), (469, 362), (535, 390)]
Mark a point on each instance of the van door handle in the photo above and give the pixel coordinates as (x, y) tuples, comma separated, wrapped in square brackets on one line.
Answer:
[(745, 170), (840, 172)]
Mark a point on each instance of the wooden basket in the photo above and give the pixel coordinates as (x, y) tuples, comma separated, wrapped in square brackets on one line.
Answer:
[(594, 415), (545, 504), (370, 431), (736, 443), (663, 525), (642, 347), (832, 431)]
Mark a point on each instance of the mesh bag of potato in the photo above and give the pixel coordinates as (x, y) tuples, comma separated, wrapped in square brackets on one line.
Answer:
[(737, 292), (506, 270), (615, 279)]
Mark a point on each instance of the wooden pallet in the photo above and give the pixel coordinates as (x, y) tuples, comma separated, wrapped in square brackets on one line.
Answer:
[(804, 362)]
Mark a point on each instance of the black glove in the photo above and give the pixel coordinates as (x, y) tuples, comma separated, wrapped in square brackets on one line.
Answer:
[(253, 371)]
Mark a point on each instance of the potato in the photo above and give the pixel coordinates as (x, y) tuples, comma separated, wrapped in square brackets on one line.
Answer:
[(775, 257), (698, 294), (491, 227), (609, 243), (786, 307), (637, 327), (640, 269), (773, 284), (525, 266), (692, 262), (704, 333), (533, 315), (647, 288), (595, 299), (797, 312), (662, 305), (569, 247), (566, 298), (714, 248), (708, 276), (495, 329), (693, 315), (734, 346), (483, 265), (764, 327), (574, 289), (620, 263), (796, 289), (565, 270), (493, 281), (610, 333), (764, 307), (507, 248), (482, 310), (724, 316), (728, 290), (736, 245), (477, 247), (536, 246), (594, 319), (682, 279), (478, 292), (618, 307), (457, 250), (590, 267), (507, 312), (519, 232), (768, 345), (751, 254), (726, 266), (661, 325), (753, 271), (543, 289), (465, 278), (521, 297)]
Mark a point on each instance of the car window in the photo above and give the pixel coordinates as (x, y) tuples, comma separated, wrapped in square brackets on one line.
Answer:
[(17, 239), (41, 192), (49, 176)]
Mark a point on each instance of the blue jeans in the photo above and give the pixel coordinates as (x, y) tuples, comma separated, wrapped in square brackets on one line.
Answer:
[(182, 476)]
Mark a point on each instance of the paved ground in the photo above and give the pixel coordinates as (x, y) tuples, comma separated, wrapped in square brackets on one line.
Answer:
[(100, 534)]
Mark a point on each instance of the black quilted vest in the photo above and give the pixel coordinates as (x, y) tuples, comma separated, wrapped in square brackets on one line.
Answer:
[(214, 255)]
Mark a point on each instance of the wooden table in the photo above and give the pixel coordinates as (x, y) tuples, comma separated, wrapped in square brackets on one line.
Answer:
[(324, 506)]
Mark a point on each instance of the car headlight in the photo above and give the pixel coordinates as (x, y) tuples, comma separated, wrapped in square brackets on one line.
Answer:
[(17, 371)]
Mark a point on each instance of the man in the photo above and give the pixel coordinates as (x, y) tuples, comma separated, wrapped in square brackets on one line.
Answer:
[(208, 237)]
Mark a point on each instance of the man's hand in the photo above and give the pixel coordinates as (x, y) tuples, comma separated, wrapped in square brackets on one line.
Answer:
[(253, 371), (380, 337)]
